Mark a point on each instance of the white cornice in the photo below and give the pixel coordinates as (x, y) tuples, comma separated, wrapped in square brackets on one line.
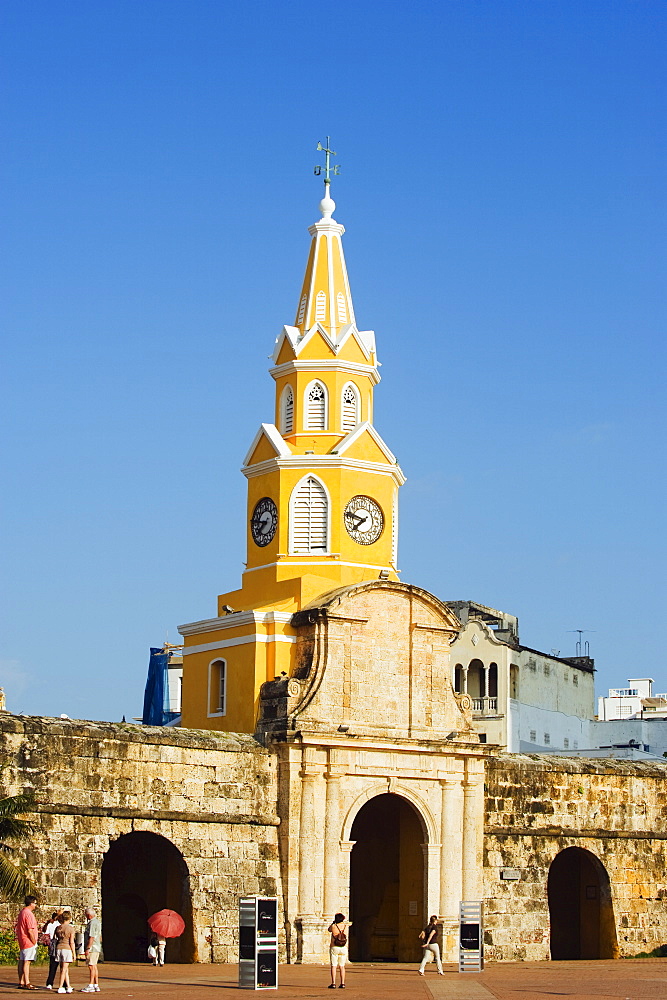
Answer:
[(235, 620), (348, 367), (321, 462), (288, 560), (272, 434)]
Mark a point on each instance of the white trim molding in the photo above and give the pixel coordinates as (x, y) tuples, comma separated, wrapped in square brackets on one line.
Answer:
[(332, 461), (328, 364), (240, 640)]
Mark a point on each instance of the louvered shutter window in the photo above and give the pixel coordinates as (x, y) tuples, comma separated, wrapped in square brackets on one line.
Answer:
[(309, 517), (302, 311), (316, 408), (320, 307), (288, 410), (350, 408), (342, 310)]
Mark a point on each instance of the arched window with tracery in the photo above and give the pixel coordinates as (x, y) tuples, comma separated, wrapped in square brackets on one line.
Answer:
[(316, 407), (309, 517), (349, 407), (287, 410)]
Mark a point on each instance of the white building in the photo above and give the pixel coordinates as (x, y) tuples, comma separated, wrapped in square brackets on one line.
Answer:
[(634, 701), (523, 699)]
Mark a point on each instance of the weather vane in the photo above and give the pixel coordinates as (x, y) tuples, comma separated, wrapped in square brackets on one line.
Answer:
[(328, 169)]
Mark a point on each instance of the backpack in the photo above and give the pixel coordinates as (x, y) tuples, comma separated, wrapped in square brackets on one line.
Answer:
[(341, 938)]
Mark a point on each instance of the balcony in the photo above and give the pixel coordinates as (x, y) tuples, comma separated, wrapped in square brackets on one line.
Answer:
[(484, 706)]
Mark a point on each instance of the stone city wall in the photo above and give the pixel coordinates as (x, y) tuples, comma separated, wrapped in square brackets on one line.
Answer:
[(212, 796), (538, 806)]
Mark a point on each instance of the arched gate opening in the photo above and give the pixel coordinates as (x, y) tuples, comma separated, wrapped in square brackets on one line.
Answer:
[(387, 883), (143, 873), (580, 907)]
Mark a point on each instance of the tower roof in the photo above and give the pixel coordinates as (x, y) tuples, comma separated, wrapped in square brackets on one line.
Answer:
[(325, 296)]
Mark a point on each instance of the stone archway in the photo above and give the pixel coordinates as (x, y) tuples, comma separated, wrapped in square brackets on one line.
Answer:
[(580, 907), (142, 873), (387, 880)]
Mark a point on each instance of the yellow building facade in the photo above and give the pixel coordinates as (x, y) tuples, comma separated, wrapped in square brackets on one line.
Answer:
[(322, 509)]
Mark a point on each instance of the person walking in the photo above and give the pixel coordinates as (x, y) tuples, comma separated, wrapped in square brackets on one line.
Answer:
[(50, 928), (26, 934), (92, 943), (338, 949), (431, 946), (65, 949)]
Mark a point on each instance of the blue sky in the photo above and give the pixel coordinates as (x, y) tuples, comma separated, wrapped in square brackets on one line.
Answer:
[(502, 188)]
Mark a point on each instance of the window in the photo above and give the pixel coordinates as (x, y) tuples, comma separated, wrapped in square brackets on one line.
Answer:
[(350, 408), (576, 744), (482, 737), (566, 744), (287, 410), (342, 308), (547, 670), (309, 517), (547, 739), (533, 736), (514, 681), (575, 680), (316, 407), (217, 688), (320, 307), (302, 310)]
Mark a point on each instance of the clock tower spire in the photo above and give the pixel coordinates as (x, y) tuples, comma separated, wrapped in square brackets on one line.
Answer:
[(322, 484)]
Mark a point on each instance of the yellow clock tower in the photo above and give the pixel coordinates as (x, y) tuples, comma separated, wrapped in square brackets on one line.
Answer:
[(322, 495)]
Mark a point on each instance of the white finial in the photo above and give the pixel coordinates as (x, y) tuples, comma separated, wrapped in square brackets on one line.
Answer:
[(327, 205)]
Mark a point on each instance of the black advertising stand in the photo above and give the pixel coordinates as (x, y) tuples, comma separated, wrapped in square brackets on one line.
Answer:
[(258, 943)]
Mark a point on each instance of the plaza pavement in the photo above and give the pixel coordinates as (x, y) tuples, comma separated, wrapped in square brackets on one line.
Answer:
[(629, 979)]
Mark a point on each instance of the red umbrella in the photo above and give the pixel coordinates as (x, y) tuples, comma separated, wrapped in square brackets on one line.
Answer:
[(167, 923)]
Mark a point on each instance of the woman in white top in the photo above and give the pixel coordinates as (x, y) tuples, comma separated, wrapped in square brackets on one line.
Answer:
[(338, 949)]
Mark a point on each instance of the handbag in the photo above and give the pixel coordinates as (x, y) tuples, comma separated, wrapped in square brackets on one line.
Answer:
[(151, 951)]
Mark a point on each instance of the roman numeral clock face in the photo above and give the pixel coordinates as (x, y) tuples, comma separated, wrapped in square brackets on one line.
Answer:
[(364, 520), (264, 521)]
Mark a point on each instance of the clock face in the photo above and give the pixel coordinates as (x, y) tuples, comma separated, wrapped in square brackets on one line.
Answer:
[(364, 520), (264, 521)]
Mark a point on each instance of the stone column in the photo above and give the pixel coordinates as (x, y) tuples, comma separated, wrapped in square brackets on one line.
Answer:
[(431, 878), (344, 876), (464, 680), (487, 674), (332, 850), (310, 945), (451, 850), (473, 830)]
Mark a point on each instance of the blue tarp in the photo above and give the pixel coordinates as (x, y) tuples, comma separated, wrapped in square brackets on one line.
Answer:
[(156, 689)]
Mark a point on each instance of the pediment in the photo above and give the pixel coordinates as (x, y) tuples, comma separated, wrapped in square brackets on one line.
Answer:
[(365, 443), (375, 657), (267, 443)]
